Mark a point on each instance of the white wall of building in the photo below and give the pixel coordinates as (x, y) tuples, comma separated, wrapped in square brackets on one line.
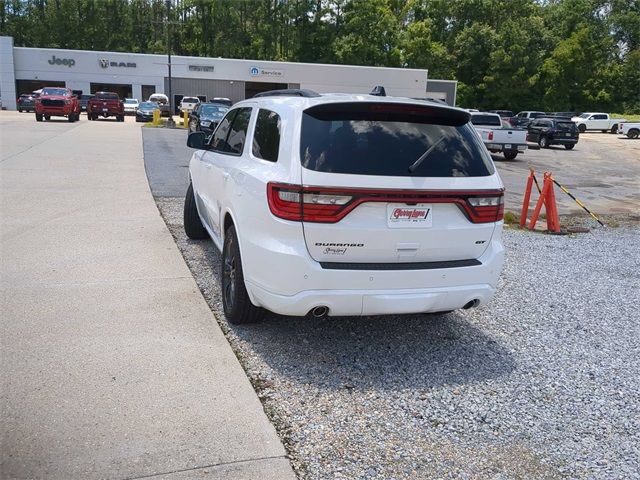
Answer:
[(7, 78), (79, 68)]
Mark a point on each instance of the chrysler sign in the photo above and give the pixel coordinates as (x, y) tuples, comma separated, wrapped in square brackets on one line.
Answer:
[(265, 72), (104, 63)]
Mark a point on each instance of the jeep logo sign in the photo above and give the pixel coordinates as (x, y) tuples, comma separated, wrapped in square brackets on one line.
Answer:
[(69, 62), (104, 63)]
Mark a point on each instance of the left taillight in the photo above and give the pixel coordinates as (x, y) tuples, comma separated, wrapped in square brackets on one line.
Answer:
[(298, 203), (330, 205)]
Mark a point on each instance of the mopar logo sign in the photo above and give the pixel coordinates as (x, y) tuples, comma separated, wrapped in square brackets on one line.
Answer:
[(69, 62), (104, 63), (255, 71)]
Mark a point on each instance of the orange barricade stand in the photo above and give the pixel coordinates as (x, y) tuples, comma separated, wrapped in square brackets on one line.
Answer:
[(547, 198)]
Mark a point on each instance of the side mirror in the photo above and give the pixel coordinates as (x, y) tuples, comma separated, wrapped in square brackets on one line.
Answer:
[(197, 140)]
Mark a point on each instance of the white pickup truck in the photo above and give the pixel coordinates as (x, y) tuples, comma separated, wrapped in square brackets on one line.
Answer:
[(187, 104), (597, 121), (498, 136), (631, 130)]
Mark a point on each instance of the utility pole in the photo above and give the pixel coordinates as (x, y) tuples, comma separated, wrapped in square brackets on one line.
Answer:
[(170, 122)]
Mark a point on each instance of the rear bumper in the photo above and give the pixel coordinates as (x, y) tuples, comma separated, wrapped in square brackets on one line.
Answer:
[(373, 302), (563, 141), (304, 285), (501, 147)]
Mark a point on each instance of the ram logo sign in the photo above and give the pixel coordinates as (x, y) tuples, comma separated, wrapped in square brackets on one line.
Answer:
[(104, 63)]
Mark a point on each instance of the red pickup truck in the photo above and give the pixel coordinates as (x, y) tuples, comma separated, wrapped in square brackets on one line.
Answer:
[(57, 102), (105, 104)]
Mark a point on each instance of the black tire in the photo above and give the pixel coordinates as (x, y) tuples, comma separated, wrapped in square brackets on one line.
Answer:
[(604, 131), (71, 118), (235, 300), (582, 128), (47, 117), (510, 154), (569, 146), (543, 142), (19, 110), (38, 117), (120, 118), (614, 129), (633, 133), (192, 224)]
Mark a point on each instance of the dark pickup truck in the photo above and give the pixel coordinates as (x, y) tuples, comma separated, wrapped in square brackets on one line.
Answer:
[(105, 104)]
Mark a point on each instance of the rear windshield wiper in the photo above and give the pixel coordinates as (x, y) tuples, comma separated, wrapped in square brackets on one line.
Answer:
[(414, 166)]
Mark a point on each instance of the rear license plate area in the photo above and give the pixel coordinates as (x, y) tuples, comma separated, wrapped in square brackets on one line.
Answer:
[(409, 216)]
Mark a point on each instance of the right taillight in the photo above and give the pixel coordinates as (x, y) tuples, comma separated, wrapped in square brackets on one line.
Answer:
[(486, 209), (490, 136), (330, 205)]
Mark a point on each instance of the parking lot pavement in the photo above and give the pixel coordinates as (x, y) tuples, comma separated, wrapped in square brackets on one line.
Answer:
[(112, 364), (603, 171), (167, 161)]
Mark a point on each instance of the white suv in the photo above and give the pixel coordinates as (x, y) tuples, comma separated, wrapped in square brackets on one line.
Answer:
[(340, 204)]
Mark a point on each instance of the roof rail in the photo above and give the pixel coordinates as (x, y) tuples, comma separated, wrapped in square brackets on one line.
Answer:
[(288, 92), (378, 91)]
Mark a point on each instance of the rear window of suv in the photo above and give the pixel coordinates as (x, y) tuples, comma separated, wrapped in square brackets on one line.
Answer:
[(387, 139)]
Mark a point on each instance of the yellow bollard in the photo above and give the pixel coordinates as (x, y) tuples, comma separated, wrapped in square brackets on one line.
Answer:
[(185, 117), (156, 117)]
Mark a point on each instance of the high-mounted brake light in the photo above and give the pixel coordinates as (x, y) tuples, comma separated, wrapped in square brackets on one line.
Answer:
[(330, 205)]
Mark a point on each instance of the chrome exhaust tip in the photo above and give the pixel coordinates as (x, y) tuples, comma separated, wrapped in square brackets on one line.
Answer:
[(471, 304), (319, 312)]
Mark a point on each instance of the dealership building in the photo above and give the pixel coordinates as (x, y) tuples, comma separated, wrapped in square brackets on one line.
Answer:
[(135, 75)]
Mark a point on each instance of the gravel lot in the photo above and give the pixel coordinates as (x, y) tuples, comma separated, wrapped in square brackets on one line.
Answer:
[(541, 383)]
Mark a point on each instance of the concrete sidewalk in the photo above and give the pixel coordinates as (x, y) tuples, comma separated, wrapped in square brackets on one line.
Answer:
[(112, 364)]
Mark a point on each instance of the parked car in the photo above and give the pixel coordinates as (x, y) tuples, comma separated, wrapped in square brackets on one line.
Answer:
[(597, 121), (163, 103), (503, 113), (187, 104), (346, 205), (206, 116), (497, 136), (145, 110), (130, 106), (522, 119), (105, 104), (84, 99), (568, 115), (57, 102), (631, 130), (26, 103), (547, 131)]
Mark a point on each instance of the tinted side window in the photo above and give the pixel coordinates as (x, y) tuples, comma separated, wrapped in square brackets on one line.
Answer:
[(219, 140), (266, 139), (238, 132)]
